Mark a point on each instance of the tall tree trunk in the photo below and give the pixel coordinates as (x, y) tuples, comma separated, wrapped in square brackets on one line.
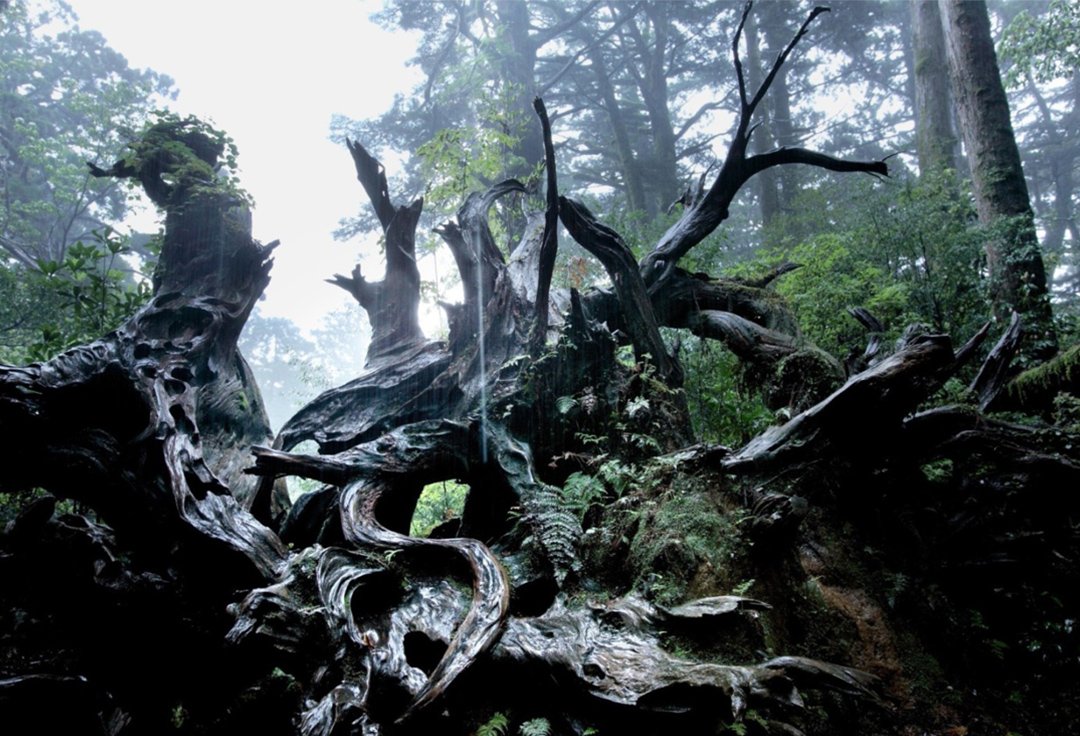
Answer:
[(776, 33), (768, 188), (1018, 277), (650, 77), (654, 91), (1058, 154), (518, 67), (935, 140), (631, 170)]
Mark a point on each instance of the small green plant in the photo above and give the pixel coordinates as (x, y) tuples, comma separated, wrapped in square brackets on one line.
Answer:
[(581, 492), (535, 727), (619, 476), (458, 161), (190, 157), (743, 588), (495, 726), (938, 471), (723, 408), (179, 715)]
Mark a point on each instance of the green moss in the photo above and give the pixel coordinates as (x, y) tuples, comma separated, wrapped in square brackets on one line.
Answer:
[(805, 377), (1038, 385), (685, 532)]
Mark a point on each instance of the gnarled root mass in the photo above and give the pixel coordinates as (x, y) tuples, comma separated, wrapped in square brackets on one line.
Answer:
[(188, 594)]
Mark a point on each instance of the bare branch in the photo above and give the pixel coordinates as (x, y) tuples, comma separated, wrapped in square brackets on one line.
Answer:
[(549, 248), (735, 54), (709, 211), (549, 34), (782, 156), (782, 58)]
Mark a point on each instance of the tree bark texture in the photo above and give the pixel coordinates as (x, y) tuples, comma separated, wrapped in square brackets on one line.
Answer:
[(1001, 197), (935, 140)]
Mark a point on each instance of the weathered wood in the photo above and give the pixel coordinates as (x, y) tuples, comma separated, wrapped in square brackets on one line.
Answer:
[(391, 304), (859, 418), (995, 373), (758, 327), (550, 244), (857, 362), (375, 516), (346, 623), (618, 261)]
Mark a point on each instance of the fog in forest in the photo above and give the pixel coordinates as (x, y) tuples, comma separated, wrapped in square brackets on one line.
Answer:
[(540, 366)]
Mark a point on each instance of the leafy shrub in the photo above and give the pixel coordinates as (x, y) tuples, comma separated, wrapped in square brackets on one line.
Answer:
[(722, 408), (907, 252), (88, 294)]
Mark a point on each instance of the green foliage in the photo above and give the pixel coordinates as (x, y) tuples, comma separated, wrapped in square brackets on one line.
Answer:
[(744, 587), (535, 727), (191, 157), (722, 408), (458, 161), (1047, 47), (65, 98), (938, 470), (555, 529), (495, 726), (90, 292), (565, 404), (27, 304), (685, 531), (907, 252), (580, 492), (438, 502)]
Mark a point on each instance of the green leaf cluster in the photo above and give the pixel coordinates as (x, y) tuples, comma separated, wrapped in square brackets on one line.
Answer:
[(458, 161), (555, 529), (438, 502), (188, 156), (92, 291), (1047, 46), (909, 252), (580, 492), (724, 409)]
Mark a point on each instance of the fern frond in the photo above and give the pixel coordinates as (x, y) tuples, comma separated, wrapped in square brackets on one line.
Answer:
[(496, 726), (555, 528), (535, 727)]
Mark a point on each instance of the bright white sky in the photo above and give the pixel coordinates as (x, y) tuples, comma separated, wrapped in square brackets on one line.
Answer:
[(271, 74)]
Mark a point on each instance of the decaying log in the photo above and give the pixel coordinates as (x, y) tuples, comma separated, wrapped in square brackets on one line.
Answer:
[(860, 418), (364, 628), (612, 653), (994, 372), (362, 409)]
